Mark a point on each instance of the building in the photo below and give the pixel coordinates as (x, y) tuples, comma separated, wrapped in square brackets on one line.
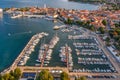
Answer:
[(1, 10)]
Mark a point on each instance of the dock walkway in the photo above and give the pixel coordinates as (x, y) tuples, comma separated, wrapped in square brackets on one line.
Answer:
[(17, 60)]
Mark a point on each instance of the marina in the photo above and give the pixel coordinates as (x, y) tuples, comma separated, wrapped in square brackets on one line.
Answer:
[(66, 57), (46, 51), (75, 49), (89, 53), (55, 36), (24, 55), (83, 55), (30, 48)]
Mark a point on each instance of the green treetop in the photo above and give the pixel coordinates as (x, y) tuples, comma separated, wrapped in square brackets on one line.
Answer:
[(64, 76), (45, 75)]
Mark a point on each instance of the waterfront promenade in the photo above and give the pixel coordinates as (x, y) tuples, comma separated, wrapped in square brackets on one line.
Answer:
[(71, 74), (64, 14), (109, 55)]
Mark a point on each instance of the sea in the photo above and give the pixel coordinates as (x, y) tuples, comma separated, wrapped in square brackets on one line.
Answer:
[(15, 33)]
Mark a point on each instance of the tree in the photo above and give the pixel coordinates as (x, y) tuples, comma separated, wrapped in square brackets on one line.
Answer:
[(24, 9), (11, 77), (1, 77), (6, 76), (81, 78), (68, 21), (45, 75), (117, 25), (101, 29), (115, 33), (117, 30), (111, 33), (88, 22), (79, 22), (12, 73), (91, 27), (6, 9), (107, 39), (64, 76), (17, 73), (104, 22), (107, 43), (50, 77)]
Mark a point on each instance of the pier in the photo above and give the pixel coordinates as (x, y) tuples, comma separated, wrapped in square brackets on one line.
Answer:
[(46, 50), (44, 56), (24, 51), (67, 54), (34, 16), (17, 16)]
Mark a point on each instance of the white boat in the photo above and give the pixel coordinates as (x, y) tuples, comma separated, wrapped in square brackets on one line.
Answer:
[(37, 64), (65, 54), (21, 64), (54, 41), (16, 16), (56, 27), (38, 60), (46, 62)]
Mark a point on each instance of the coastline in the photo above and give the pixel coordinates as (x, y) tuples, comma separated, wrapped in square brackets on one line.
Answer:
[(69, 17)]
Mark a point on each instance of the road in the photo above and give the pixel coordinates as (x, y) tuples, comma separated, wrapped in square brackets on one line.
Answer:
[(109, 55), (72, 74)]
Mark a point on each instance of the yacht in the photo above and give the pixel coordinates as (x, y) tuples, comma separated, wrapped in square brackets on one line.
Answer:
[(56, 27), (65, 55)]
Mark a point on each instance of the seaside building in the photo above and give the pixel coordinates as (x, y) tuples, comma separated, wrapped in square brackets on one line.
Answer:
[(45, 6), (1, 10)]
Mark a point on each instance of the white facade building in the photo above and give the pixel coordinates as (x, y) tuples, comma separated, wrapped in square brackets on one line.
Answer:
[(1, 10)]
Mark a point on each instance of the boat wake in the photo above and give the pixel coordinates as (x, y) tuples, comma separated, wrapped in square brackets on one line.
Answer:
[(21, 33), (24, 33), (8, 23)]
